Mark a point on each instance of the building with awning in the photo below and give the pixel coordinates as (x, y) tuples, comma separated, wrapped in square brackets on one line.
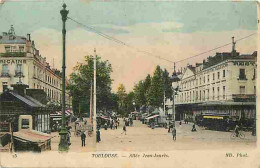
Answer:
[(224, 85)]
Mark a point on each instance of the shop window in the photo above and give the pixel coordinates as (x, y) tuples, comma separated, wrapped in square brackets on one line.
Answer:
[(25, 124)]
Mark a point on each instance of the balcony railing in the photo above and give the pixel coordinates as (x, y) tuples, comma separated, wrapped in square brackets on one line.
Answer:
[(13, 54), (18, 74), (5, 74)]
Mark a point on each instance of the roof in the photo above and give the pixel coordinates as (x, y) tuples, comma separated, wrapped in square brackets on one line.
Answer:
[(13, 40), (31, 135), (27, 100)]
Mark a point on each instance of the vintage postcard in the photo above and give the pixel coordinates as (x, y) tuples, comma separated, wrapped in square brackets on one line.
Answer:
[(129, 84)]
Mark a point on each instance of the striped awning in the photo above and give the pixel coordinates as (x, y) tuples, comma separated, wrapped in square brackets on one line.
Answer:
[(148, 118)]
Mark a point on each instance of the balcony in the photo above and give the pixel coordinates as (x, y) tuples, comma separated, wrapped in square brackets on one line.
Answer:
[(13, 54), (5, 75), (18, 74), (244, 97)]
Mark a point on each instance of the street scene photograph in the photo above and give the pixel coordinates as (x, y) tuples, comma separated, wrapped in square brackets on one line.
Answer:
[(144, 76)]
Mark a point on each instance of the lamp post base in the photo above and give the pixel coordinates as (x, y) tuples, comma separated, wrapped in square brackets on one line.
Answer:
[(63, 145)]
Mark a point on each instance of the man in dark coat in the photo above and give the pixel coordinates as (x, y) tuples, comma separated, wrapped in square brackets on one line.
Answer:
[(83, 138), (98, 136), (174, 133)]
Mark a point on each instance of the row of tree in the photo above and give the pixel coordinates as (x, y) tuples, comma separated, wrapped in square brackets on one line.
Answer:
[(150, 92), (146, 93)]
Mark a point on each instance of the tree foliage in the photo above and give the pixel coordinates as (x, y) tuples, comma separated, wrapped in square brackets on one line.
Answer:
[(82, 79)]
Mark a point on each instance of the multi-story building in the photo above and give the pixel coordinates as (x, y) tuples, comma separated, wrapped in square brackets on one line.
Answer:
[(224, 85), (20, 61)]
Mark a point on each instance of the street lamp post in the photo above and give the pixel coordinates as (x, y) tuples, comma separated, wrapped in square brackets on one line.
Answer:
[(63, 145), (175, 80)]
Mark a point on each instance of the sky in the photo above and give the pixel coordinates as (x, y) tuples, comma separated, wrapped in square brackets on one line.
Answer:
[(173, 30)]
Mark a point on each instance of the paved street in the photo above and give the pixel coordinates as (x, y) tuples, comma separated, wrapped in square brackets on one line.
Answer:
[(139, 137)]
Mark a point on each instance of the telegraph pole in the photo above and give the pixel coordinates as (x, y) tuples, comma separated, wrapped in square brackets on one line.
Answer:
[(95, 97), (63, 145)]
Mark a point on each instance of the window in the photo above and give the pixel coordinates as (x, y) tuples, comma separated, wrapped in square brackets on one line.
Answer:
[(224, 92), (218, 93), (254, 89), (200, 94), (204, 79), (242, 74), (5, 72), (204, 95), (213, 76), (218, 75), (213, 92), (242, 89), (7, 48), (21, 48), (19, 70), (208, 78), (5, 85), (254, 75), (224, 73), (208, 94)]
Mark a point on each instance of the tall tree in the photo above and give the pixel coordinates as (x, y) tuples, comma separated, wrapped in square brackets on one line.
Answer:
[(80, 84), (167, 84), (155, 95), (121, 93)]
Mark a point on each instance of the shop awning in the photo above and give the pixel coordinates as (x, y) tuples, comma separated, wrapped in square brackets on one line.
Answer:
[(103, 117), (148, 118), (213, 117)]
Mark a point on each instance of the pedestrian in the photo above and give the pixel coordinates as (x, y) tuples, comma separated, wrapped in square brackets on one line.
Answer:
[(169, 130), (98, 136), (105, 126), (68, 137), (180, 122), (174, 133), (118, 122), (111, 124), (83, 138), (193, 128), (115, 124), (124, 129)]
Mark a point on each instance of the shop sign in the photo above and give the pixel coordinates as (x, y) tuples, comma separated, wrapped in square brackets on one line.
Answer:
[(243, 63), (12, 61)]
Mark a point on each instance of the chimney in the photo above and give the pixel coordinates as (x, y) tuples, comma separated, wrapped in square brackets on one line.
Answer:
[(20, 88), (29, 37), (33, 43)]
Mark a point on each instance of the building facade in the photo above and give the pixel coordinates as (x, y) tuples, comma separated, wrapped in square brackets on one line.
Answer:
[(224, 85), (21, 61)]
